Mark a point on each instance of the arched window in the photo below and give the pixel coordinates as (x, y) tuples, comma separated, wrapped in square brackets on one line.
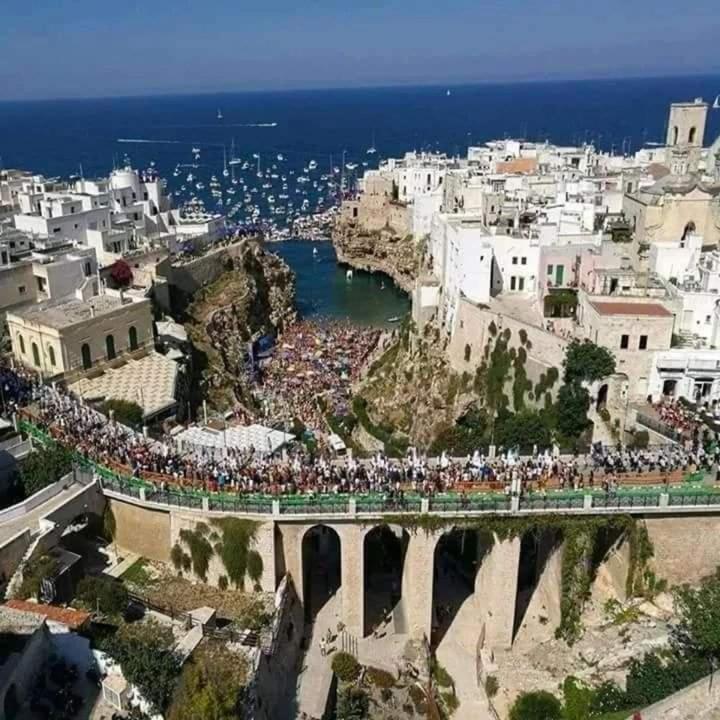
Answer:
[(51, 355), (86, 356), (675, 135), (36, 355), (132, 337), (110, 347), (21, 342), (692, 134)]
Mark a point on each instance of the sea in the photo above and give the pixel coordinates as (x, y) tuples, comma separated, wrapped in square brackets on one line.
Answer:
[(293, 150)]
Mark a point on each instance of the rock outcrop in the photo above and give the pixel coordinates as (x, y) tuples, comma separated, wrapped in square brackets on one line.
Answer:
[(255, 295), (378, 251)]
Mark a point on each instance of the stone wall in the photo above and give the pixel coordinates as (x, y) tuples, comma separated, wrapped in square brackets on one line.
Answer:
[(142, 530), (471, 328), (11, 553), (687, 549), (264, 544)]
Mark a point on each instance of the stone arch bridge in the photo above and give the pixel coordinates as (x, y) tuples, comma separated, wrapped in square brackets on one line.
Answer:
[(389, 562)]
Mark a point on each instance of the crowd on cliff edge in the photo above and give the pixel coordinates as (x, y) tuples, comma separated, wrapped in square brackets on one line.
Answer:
[(90, 433)]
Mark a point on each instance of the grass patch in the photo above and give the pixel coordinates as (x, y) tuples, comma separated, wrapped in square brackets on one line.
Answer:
[(137, 574)]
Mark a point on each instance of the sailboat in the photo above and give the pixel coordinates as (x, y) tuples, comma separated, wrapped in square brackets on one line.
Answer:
[(226, 172), (372, 149), (219, 114), (448, 93), (716, 104)]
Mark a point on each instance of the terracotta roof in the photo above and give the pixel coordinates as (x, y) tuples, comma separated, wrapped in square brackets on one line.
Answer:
[(74, 619), (628, 308)]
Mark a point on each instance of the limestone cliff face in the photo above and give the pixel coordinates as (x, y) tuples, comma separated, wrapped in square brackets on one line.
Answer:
[(378, 251), (413, 389), (254, 295)]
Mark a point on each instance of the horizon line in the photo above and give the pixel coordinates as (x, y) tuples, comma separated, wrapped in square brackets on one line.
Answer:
[(396, 86)]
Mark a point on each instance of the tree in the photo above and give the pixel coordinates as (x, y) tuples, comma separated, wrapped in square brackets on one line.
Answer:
[(121, 273), (572, 407), (699, 612), (353, 703), (43, 467), (211, 685), (125, 412), (585, 361), (103, 594), (525, 428), (538, 705), (145, 651)]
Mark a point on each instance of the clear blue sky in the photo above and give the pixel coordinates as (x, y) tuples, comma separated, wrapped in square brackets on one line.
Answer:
[(84, 48)]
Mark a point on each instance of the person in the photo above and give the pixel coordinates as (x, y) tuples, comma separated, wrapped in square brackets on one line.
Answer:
[(323, 646)]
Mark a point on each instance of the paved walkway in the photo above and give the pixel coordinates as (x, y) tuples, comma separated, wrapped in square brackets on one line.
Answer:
[(30, 520), (315, 678)]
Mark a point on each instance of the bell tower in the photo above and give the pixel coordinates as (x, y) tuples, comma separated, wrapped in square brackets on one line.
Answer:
[(686, 124)]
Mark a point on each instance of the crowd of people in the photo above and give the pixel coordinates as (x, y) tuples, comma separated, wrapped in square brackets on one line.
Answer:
[(294, 471), (678, 417), (315, 361)]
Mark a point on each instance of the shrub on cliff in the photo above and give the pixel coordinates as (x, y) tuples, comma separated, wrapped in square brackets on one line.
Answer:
[(346, 667), (538, 705)]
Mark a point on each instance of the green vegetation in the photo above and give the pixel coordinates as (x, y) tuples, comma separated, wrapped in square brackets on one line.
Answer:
[(571, 411), (379, 678), (394, 446), (585, 361), (491, 686), (560, 303), (235, 550), (103, 595), (46, 465), (137, 573), (125, 412), (538, 705), (353, 703), (200, 549), (346, 667), (145, 653), (33, 574), (211, 685)]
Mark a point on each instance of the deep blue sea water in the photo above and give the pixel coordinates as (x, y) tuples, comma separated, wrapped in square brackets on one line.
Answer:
[(56, 137)]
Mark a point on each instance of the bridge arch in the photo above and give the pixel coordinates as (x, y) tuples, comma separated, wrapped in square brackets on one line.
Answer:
[(458, 555), (384, 550), (321, 549)]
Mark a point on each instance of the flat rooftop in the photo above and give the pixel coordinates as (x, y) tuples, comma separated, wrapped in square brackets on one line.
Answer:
[(629, 308), (69, 311), (149, 382)]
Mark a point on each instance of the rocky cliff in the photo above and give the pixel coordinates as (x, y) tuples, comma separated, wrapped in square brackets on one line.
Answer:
[(378, 251), (254, 295)]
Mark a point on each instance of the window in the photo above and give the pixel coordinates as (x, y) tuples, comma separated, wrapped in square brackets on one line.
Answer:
[(21, 289), (512, 282), (514, 261), (110, 347), (523, 261), (642, 345), (72, 209), (624, 342), (707, 319), (132, 337), (36, 355), (145, 196), (76, 226), (521, 283), (87, 269), (134, 196), (692, 134), (21, 342), (51, 355), (56, 231), (41, 283)]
